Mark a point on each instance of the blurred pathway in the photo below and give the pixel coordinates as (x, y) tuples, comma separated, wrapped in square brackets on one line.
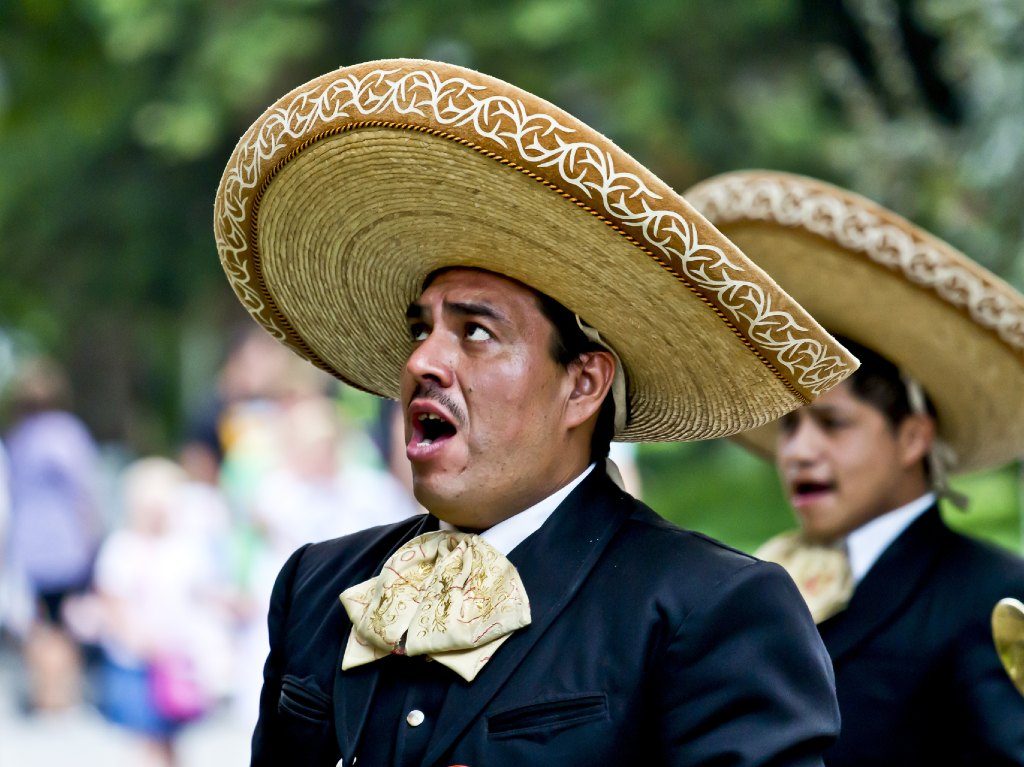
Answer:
[(83, 738)]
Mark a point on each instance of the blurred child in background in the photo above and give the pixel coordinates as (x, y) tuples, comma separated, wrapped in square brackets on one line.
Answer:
[(315, 491), (165, 641)]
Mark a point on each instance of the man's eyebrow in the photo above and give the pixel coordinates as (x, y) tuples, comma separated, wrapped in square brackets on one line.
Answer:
[(469, 309), (414, 312)]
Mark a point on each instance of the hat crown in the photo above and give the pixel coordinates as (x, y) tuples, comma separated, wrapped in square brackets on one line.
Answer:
[(430, 110)]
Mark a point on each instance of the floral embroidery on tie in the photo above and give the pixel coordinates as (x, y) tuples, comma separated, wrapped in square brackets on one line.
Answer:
[(448, 595)]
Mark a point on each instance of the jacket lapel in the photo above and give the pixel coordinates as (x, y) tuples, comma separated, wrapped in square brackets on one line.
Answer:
[(888, 586), (353, 689), (553, 563)]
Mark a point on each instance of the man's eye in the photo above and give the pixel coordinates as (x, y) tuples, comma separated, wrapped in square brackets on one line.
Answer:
[(418, 331), (476, 332)]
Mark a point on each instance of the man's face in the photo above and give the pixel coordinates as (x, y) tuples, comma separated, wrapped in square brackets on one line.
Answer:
[(484, 399), (842, 464)]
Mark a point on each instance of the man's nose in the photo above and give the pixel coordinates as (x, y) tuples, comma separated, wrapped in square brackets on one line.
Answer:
[(433, 359)]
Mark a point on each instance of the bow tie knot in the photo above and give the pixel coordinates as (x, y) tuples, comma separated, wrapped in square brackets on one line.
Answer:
[(449, 595), (822, 573)]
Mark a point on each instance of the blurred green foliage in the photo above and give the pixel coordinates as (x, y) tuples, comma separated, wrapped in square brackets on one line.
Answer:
[(117, 116)]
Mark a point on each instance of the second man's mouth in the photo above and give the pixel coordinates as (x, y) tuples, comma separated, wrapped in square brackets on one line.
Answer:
[(808, 491)]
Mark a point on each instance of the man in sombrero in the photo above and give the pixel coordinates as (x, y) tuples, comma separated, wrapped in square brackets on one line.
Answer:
[(527, 291), (903, 603)]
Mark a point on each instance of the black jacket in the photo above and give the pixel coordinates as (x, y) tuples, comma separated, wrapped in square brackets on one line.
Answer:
[(918, 678), (658, 647)]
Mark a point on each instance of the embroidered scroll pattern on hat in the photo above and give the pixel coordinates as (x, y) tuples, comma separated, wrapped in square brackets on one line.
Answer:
[(538, 141), (794, 203)]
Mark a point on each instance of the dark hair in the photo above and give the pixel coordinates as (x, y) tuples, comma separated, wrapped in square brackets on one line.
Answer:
[(568, 342), (879, 383)]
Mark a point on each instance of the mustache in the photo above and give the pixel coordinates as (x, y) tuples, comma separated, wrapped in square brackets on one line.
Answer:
[(431, 391)]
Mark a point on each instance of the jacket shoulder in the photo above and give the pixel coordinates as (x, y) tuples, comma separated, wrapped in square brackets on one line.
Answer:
[(984, 566), (687, 570), (679, 547)]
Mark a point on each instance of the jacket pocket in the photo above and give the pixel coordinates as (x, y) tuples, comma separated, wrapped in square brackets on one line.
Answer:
[(302, 698), (551, 714)]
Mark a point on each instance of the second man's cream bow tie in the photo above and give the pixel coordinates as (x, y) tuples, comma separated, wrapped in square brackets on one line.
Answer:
[(821, 573), (449, 595)]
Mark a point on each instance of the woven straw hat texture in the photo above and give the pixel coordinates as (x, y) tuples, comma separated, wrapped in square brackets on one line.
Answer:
[(872, 276), (345, 194)]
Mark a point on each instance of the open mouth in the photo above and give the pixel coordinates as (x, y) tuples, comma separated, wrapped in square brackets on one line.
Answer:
[(429, 428), (807, 490)]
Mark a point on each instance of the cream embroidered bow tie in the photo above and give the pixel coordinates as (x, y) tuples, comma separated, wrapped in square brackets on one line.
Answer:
[(448, 595), (821, 573)]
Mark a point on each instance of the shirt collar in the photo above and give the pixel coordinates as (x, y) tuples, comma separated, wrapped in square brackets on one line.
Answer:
[(509, 533), (866, 544)]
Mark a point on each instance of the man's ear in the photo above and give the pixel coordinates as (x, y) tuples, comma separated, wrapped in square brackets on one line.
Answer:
[(591, 377), (914, 437)]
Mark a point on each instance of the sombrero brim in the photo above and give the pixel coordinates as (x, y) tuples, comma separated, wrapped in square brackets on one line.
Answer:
[(870, 275), (345, 194)]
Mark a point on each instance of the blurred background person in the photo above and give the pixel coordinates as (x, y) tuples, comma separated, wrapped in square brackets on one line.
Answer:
[(320, 489), (5, 502), (165, 638), (55, 525), (10, 620), (236, 424)]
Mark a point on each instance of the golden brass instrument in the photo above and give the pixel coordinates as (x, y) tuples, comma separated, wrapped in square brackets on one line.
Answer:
[(1008, 633)]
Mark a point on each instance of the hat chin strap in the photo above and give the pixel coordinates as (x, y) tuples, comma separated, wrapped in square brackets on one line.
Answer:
[(614, 474), (618, 382), (941, 457)]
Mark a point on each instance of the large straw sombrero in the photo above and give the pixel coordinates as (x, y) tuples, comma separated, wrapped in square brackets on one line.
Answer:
[(346, 193), (871, 276)]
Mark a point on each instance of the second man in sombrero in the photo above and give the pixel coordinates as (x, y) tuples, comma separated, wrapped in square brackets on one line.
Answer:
[(528, 291), (903, 602)]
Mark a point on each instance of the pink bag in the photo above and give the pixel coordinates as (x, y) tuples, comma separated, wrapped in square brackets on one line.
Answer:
[(176, 690)]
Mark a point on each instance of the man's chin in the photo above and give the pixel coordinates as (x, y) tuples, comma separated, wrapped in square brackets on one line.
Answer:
[(823, 534), (434, 491), (820, 531)]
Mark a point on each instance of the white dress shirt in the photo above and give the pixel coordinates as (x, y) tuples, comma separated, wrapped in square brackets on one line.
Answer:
[(508, 534), (866, 544)]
